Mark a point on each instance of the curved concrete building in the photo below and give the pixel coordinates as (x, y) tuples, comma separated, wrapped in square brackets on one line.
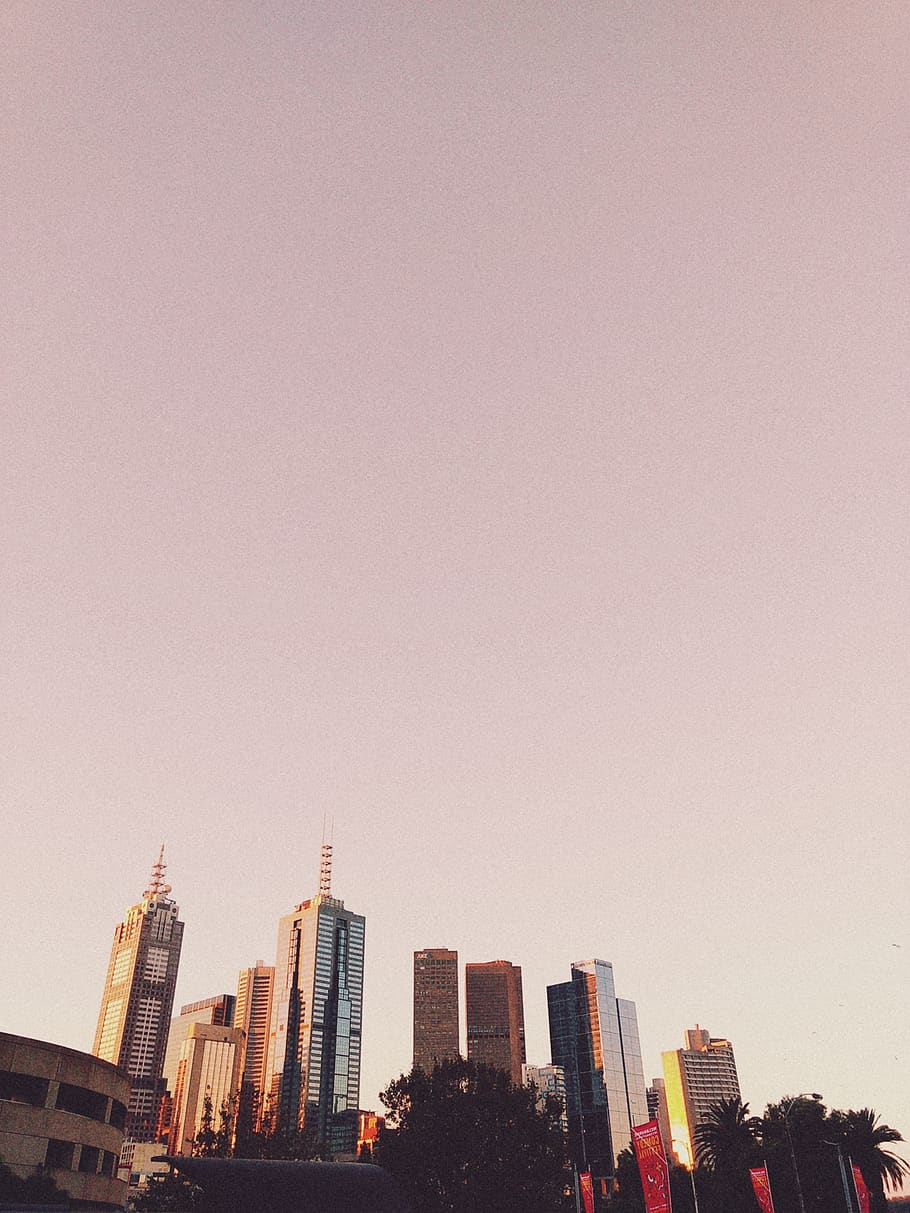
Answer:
[(64, 1112)]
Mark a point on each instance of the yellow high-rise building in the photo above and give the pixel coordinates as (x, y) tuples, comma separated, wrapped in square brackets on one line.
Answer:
[(696, 1077)]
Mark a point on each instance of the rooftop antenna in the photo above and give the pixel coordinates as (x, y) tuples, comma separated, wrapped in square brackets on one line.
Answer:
[(157, 884), (325, 864)]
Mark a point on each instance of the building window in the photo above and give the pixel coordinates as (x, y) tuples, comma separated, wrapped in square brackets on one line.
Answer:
[(82, 1101), (59, 1154), (88, 1159), (118, 1114), (23, 1088), (108, 1162)]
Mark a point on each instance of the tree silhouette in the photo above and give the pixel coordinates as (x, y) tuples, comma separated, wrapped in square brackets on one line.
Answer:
[(862, 1137), (463, 1139), (726, 1146)]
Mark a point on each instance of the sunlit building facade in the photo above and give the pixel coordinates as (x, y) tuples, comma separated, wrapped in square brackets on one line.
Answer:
[(435, 1007), (594, 1038), (316, 1019), (657, 1110), (495, 1014), (138, 998), (217, 1010), (209, 1069), (253, 1015), (695, 1078)]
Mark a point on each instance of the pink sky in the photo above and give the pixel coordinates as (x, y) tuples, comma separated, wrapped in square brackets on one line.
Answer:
[(486, 424)]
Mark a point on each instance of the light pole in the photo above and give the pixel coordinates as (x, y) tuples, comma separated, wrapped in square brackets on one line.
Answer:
[(694, 1193), (843, 1174), (786, 1108)]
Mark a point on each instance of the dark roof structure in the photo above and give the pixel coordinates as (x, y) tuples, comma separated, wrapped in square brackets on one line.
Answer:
[(248, 1185)]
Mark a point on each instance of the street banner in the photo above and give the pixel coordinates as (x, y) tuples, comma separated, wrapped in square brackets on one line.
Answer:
[(761, 1186), (652, 1166), (862, 1192), (586, 1183)]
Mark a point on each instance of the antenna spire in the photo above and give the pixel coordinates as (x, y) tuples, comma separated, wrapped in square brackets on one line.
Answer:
[(325, 870), (157, 884)]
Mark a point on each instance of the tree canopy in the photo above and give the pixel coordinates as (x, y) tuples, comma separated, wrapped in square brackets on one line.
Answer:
[(464, 1139)]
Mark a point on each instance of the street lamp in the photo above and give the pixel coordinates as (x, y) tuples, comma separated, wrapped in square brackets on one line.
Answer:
[(843, 1173), (786, 1107)]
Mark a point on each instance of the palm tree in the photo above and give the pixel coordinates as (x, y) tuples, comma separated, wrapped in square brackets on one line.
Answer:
[(726, 1146), (862, 1137), (727, 1138)]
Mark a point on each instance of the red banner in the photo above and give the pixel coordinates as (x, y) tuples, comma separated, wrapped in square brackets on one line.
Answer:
[(652, 1166), (862, 1192), (587, 1191), (761, 1186)]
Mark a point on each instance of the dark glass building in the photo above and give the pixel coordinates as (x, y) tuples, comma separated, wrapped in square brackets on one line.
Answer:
[(594, 1037)]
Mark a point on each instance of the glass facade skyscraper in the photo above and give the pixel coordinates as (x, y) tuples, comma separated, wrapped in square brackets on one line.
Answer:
[(316, 1020), (594, 1037)]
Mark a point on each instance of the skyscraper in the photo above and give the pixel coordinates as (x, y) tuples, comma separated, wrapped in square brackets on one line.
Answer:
[(316, 1018), (138, 998), (495, 1015), (253, 1016), (695, 1078), (209, 1068), (219, 1009), (594, 1037), (435, 1007)]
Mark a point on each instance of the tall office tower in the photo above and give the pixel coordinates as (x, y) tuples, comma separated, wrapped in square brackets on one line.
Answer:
[(594, 1037), (316, 1018), (217, 1010), (435, 1007), (495, 1015), (253, 1016), (209, 1068), (138, 997), (695, 1078)]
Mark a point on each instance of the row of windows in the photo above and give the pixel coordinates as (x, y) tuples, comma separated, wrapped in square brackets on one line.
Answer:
[(82, 1101), (61, 1155)]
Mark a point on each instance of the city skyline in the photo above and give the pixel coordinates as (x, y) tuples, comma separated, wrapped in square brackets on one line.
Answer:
[(484, 425)]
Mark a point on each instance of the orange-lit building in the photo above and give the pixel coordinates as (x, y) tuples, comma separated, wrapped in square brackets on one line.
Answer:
[(370, 1126)]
